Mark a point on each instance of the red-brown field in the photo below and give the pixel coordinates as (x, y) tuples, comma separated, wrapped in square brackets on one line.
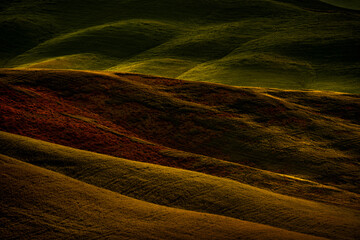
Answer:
[(302, 144)]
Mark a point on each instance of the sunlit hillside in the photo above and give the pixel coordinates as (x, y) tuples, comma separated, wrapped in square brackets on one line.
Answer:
[(58, 207), (289, 44), (175, 188)]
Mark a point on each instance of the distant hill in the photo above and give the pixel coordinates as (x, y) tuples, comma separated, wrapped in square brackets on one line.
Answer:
[(350, 4), (289, 44)]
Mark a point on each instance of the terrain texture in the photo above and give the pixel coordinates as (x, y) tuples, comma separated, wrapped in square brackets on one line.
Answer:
[(182, 119), (286, 159)]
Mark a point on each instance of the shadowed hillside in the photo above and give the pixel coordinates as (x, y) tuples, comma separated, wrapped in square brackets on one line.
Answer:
[(288, 44)]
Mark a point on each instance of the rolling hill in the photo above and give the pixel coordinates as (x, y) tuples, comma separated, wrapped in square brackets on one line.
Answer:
[(287, 159), (262, 128), (289, 44), (182, 119), (58, 207), (185, 189)]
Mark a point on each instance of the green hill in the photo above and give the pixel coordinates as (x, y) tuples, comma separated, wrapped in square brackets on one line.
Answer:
[(285, 44)]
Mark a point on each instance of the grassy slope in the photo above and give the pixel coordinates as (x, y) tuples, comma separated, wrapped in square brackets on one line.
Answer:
[(287, 44), (51, 118), (264, 128), (54, 206), (187, 190)]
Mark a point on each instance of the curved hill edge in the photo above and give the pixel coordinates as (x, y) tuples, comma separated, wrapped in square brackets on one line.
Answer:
[(154, 31)]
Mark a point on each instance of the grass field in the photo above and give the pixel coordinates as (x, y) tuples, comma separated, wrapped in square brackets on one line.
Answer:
[(188, 190), (287, 44), (60, 207)]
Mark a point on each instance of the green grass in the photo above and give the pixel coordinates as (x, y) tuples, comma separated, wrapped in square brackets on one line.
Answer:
[(187, 190), (284, 43), (131, 37), (76, 61)]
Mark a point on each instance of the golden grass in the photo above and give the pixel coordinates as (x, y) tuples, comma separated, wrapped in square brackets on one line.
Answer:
[(41, 204), (187, 190)]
